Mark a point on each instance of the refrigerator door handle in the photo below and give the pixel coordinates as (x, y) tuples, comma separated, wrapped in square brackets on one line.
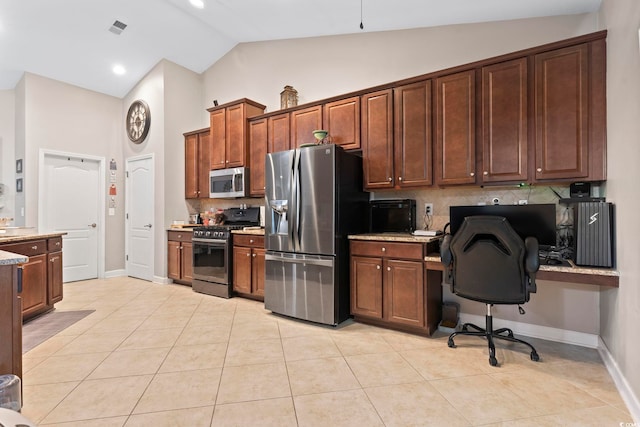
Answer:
[(295, 195), (310, 261)]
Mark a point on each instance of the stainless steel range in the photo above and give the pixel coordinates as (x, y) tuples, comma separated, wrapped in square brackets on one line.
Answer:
[(213, 252)]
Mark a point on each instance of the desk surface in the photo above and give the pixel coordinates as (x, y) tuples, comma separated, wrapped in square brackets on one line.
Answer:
[(589, 276)]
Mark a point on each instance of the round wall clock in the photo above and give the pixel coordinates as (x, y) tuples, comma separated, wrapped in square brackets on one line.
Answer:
[(138, 121)]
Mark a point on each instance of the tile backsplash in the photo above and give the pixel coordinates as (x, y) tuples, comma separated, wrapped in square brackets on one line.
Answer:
[(441, 198)]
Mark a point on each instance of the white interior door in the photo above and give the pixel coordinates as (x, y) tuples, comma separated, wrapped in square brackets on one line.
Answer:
[(70, 195), (139, 217)]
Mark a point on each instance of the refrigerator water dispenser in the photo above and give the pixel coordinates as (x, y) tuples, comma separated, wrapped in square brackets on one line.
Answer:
[(279, 222)]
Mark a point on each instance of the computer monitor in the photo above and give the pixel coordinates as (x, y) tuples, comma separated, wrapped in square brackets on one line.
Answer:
[(537, 220)]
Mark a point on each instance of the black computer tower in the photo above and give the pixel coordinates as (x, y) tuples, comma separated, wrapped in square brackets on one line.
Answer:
[(593, 230)]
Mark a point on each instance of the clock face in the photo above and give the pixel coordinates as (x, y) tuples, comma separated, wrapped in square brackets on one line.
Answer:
[(138, 121)]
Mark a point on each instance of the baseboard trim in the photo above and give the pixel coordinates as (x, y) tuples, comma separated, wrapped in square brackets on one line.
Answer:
[(626, 392), (161, 280), (537, 331), (114, 273)]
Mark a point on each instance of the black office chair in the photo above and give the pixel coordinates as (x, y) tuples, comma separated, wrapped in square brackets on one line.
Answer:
[(487, 261)]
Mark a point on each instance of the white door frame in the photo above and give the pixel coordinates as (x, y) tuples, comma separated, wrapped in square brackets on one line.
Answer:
[(101, 195), (126, 210)]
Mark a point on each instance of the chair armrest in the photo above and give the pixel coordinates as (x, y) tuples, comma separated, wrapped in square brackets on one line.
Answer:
[(531, 261), (446, 257)]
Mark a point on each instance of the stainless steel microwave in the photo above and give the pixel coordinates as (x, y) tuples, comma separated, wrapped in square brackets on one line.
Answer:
[(228, 183)]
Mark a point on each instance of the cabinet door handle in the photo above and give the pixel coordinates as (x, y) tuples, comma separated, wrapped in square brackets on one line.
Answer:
[(472, 174), (57, 243), (388, 268), (539, 170), (485, 173), (248, 254), (389, 179), (377, 267), (399, 178), (34, 247), (254, 255), (251, 241), (384, 249)]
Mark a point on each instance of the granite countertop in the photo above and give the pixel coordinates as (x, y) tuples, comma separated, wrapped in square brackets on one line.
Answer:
[(254, 232), (556, 268), (29, 234), (9, 258), (393, 237)]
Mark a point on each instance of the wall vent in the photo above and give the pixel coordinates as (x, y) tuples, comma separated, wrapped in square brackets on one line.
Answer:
[(117, 27)]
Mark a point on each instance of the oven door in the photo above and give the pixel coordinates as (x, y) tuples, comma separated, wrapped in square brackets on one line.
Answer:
[(211, 260)]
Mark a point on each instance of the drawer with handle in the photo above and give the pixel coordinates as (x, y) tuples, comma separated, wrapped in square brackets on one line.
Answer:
[(31, 248)]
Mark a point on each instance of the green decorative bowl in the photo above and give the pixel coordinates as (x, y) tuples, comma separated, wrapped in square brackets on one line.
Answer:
[(320, 134)]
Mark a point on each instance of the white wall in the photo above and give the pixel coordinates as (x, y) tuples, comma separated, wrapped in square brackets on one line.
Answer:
[(57, 116), (621, 307), (151, 90), (183, 97), (322, 67), (7, 153)]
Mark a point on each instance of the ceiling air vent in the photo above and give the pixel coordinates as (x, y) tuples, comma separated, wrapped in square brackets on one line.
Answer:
[(117, 27)]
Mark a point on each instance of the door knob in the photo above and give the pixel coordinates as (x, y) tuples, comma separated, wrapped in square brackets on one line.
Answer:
[(147, 225), (94, 225)]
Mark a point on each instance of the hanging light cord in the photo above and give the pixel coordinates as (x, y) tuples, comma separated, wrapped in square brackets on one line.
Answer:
[(361, 24)]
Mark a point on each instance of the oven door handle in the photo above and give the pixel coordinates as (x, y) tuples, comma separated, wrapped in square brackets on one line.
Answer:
[(214, 241)]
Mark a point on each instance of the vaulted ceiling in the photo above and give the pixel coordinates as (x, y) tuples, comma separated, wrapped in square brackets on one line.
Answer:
[(73, 40)]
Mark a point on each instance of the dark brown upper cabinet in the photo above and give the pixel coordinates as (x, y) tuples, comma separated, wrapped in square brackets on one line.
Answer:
[(455, 158), (413, 135), (504, 122), (342, 121)]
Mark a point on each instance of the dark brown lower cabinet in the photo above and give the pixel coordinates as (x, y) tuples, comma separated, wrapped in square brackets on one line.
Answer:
[(248, 266), (389, 287)]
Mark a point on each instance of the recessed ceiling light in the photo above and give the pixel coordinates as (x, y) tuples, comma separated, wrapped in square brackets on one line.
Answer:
[(199, 4), (119, 69)]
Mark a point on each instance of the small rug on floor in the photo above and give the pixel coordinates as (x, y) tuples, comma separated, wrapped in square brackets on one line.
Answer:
[(43, 327)]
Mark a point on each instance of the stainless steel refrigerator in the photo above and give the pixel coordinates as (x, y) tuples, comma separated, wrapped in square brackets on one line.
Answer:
[(314, 200)]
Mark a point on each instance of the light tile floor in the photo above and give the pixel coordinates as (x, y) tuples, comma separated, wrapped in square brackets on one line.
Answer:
[(162, 355)]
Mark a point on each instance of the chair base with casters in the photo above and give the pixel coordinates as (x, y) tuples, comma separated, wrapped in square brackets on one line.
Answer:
[(490, 334)]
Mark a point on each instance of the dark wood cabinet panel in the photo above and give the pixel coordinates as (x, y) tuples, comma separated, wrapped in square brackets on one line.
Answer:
[(197, 164), (204, 163), (235, 136), (41, 275), (342, 121), (404, 286), (257, 271), (455, 129), (389, 286), (377, 139), (218, 122), (413, 137), (173, 260), (303, 123), (54, 277), (180, 257), (230, 134), (34, 285), (258, 150), (242, 269), (504, 122), (248, 265), (279, 133), (191, 166), (562, 113), (366, 286), (187, 262), (10, 321)]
